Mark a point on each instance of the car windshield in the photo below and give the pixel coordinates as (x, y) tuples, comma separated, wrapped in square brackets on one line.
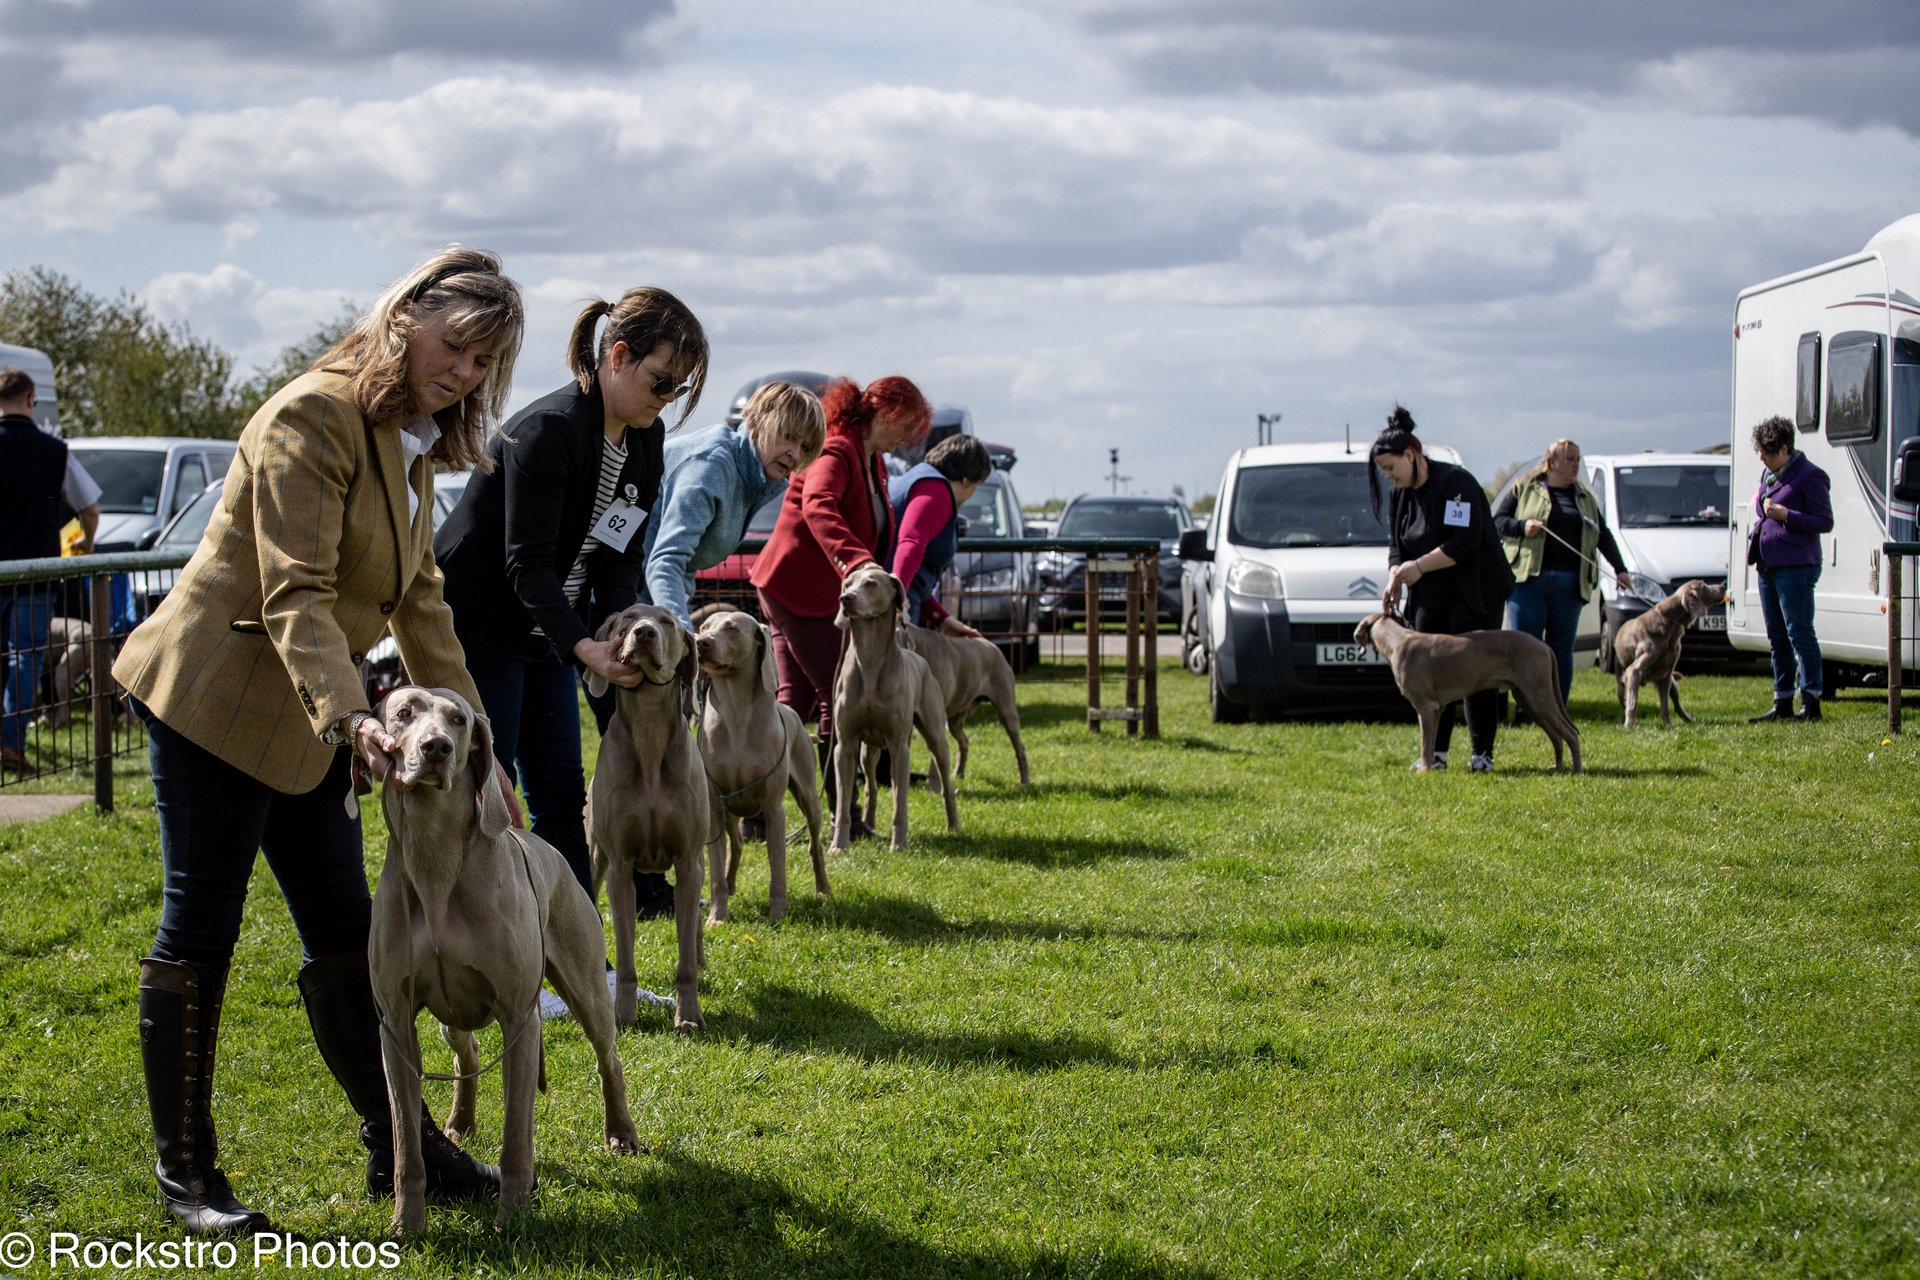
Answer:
[(766, 515), (1121, 520), (1304, 504), (1651, 496), (184, 533), (986, 512), (129, 479)]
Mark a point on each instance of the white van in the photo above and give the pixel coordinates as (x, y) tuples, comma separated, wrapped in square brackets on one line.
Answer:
[(1835, 349), (38, 366), (1669, 513), (1291, 562)]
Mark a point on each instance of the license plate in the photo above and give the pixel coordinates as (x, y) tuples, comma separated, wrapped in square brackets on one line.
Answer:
[(1715, 621), (1349, 655)]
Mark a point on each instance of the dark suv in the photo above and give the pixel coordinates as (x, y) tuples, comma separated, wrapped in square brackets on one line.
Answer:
[(1063, 574)]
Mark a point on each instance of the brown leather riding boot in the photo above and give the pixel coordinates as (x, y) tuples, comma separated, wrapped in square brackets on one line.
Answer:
[(179, 1032)]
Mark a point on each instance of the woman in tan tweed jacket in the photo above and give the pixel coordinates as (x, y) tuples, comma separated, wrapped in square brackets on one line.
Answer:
[(248, 677)]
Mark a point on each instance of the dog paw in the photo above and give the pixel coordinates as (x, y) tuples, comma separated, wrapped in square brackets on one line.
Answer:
[(689, 1025), (626, 1143)]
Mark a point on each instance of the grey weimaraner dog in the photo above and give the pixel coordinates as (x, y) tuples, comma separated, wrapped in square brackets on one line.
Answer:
[(1648, 648), (881, 692), (971, 669), (467, 919), (647, 808), (1434, 670), (755, 751)]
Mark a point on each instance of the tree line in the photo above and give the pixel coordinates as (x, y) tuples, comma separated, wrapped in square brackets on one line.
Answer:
[(121, 371)]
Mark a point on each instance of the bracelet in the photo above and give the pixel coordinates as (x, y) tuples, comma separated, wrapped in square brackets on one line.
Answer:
[(339, 736)]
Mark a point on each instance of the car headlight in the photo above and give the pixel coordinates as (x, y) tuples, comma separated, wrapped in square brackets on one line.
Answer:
[(1251, 578), (991, 580)]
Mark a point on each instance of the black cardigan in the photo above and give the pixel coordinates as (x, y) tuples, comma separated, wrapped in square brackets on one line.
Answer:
[(507, 548), (1481, 579)]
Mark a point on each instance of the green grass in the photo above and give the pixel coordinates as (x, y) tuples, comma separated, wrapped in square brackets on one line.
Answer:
[(1240, 1001)]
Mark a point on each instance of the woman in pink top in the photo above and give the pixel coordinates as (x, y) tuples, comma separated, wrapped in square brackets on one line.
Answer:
[(926, 507)]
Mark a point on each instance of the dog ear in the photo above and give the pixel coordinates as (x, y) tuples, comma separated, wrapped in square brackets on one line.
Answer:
[(899, 594), (596, 683), (769, 670), (689, 668), (483, 769)]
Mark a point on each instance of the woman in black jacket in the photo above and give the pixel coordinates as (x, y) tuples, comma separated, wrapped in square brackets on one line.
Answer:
[(1446, 554), (548, 545)]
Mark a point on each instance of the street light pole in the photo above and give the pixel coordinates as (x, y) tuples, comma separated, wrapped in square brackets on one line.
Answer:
[(1266, 422)]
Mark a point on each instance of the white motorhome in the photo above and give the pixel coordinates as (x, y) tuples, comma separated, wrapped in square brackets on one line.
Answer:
[(38, 366), (1277, 581), (1835, 349)]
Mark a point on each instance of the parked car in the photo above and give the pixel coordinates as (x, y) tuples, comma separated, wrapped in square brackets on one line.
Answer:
[(1062, 575), (814, 382), (994, 591), (145, 481), (728, 582), (1291, 562)]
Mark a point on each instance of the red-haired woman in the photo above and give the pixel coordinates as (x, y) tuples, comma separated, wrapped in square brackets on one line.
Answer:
[(836, 518)]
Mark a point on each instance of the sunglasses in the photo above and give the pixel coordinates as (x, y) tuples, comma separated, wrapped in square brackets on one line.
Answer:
[(664, 388)]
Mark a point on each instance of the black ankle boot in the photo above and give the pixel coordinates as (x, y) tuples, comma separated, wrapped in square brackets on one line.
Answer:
[(1809, 707), (179, 1030), (1782, 710), (338, 994)]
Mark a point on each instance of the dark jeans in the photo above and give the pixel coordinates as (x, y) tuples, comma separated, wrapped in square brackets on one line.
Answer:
[(1547, 607), (1483, 709), (214, 818), (534, 711), (24, 615), (1786, 602)]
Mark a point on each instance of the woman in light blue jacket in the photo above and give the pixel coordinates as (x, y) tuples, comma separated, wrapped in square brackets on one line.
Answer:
[(716, 479)]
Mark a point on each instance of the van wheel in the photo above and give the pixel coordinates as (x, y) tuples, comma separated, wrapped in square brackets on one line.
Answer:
[(1222, 710)]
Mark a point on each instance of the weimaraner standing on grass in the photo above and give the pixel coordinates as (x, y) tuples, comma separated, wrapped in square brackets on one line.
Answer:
[(755, 751), (971, 669), (1648, 649), (467, 919), (881, 692), (1434, 670), (647, 807)]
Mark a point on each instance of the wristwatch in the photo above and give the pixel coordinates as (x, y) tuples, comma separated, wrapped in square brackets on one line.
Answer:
[(343, 737)]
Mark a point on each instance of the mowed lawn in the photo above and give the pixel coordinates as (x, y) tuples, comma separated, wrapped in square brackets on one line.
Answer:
[(1247, 1000)]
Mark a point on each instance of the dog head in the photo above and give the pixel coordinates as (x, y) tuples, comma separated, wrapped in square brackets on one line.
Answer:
[(869, 592), (730, 642), (1699, 596), (442, 743), (1363, 634), (652, 641)]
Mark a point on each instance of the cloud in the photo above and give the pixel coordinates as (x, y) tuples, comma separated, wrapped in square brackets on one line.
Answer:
[(1850, 60), (236, 309)]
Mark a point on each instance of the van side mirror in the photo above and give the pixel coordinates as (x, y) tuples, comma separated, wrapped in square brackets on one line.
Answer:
[(1193, 545), (1906, 471), (147, 540)]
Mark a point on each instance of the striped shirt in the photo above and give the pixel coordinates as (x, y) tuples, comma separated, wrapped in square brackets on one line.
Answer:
[(612, 458)]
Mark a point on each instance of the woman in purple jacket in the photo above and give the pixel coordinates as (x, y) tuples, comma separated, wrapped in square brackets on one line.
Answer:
[(1790, 512)]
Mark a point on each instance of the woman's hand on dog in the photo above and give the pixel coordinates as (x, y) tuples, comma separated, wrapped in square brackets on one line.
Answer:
[(598, 656)]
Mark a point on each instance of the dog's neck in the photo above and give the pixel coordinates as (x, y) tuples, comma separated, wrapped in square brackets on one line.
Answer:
[(737, 701), (876, 639), (432, 830), (648, 715)]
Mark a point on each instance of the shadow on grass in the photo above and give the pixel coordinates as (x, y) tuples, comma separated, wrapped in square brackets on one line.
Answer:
[(694, 1218), (1089, 789), (791, 1019), (1619, 771), (911, 921), (1046, 851)]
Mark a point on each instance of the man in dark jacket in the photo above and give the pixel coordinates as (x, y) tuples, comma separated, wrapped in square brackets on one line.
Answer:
[(1790, 512), (33, 475)]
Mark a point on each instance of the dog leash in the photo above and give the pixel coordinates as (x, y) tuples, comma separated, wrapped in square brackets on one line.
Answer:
[(1633, 588)]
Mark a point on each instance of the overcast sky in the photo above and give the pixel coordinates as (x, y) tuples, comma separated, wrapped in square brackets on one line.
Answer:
[(1096, 223)]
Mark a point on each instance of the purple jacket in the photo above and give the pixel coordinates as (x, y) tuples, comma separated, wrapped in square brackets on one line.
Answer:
[(1803, 490)]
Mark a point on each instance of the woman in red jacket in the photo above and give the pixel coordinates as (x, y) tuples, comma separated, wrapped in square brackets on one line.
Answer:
[(836, 517)]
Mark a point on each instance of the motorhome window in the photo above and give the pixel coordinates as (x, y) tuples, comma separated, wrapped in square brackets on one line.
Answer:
[(1653, 497), (1904, 413), (1853, 388), (1320, 504), (129, 479), (1097, 519), (1806, 406)]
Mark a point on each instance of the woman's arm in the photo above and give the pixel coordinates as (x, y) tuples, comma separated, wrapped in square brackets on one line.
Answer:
[(929, 511), (687, 508), (1503, 521), (538, 474)]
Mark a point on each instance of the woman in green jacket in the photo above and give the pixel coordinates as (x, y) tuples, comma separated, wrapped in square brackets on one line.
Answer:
[(1552, 529)]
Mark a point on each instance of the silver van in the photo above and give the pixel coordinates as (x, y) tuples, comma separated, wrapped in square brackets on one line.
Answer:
[(145, 481)]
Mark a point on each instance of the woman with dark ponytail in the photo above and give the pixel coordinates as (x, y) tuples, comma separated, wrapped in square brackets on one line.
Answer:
[(1446, 554), (836, 517), (547, 545)]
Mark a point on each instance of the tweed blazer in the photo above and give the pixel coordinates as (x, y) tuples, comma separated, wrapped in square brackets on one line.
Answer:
[(308, 559)]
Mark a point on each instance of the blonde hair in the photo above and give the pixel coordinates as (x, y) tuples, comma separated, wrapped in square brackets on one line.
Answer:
[(643, 319), (469, 291), (785, 411), (1539, 471)]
